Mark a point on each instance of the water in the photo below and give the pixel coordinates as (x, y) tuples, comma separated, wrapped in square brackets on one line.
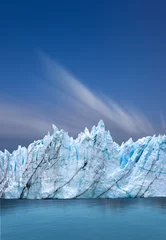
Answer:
[(84, 219)]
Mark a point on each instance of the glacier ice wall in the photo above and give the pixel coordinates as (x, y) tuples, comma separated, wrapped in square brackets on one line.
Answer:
[(91, 166)]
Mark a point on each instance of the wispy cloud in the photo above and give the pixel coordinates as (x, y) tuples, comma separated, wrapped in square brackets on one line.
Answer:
[(89, 106), (70, 105), (21, 120)]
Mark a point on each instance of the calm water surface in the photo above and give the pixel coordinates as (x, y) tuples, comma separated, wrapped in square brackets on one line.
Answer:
[(83, 219)]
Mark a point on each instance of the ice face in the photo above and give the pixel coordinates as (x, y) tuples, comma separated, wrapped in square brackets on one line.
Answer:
[(91, 166)]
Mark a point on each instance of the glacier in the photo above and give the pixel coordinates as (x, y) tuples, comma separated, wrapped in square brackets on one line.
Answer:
[(90, 166)]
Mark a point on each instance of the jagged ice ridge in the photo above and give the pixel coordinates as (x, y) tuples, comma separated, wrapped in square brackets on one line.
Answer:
[(91, 166)]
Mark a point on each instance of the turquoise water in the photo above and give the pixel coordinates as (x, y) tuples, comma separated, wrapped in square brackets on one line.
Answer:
[(84, 219)]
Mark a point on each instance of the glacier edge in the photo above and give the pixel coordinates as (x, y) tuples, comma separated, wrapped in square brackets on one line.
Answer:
[(90, 166)]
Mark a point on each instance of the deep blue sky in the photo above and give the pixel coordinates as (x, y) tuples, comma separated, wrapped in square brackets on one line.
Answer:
[(116, 47)]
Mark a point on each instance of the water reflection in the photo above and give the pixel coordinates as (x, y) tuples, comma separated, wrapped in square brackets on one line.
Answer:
[(105, 204), (84, 219)]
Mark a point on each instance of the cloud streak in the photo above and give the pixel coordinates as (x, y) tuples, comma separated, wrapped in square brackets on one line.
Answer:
[(70, 105), (87, 104), (21, 120)]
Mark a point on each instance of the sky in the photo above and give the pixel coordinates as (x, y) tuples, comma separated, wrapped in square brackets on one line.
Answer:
[(72, 63)]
